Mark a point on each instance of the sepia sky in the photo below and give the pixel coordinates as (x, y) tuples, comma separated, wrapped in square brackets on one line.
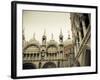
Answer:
[(52, 22)]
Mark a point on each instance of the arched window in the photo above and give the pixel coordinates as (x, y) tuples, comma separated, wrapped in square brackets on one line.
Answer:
[(29, 66), (49, 65)]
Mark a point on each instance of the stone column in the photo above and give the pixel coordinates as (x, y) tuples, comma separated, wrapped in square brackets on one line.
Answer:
[(77, 46), (80, 37), (84, 28)]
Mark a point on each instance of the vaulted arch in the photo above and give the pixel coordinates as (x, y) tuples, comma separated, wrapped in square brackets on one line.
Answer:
[(49, 65), (31, 46), (29, 66)]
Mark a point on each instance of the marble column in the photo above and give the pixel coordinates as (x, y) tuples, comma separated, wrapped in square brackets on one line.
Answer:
[(84, 28)]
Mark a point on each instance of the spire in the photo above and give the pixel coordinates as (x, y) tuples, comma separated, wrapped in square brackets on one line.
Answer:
[(52, 36), (44, 35), (44, 32), (61, 36), (44, 38), (34, 36), (68, 35), (23, 34), (60, 31)]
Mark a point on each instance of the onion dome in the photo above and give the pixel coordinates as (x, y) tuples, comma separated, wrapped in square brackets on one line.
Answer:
[(52, 46), (34, 41), (68, 41), (52, 42)]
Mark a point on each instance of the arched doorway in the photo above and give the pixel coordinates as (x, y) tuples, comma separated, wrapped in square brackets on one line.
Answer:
[(49, 65), (29, 66)]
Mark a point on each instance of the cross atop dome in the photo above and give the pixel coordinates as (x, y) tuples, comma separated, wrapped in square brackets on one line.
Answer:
[(44, 32), (61, 32), (34, 35), (52, 36)]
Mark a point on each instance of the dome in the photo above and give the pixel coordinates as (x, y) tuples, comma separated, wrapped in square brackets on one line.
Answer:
[(25, 43), (32, 45), (52, 49), (34, 41), (32, 48), (68, 42), (52, 46), (52, 42)]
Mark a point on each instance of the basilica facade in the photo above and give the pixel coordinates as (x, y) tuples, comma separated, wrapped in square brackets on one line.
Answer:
[(49, 54)]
